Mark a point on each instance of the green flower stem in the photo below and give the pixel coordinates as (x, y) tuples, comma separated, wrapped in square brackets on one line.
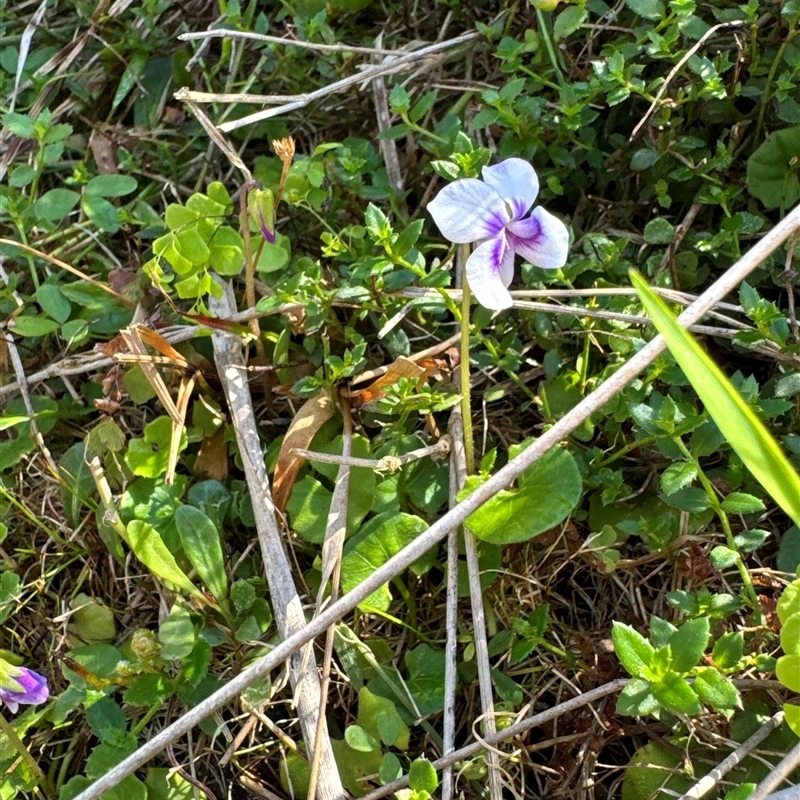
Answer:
[(767, 96), (421, 131), (17, 744), (747, 581), (544, 32), (466, 402)]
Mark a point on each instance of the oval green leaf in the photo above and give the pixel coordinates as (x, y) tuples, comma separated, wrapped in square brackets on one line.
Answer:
[(548, 492)]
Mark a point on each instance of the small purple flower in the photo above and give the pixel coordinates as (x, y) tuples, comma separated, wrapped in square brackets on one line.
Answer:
[(32, 686), (492, 210)]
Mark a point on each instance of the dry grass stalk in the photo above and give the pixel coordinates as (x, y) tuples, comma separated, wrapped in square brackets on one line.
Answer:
[(442, 527), (286, 602), (401, 60), (335, 531)]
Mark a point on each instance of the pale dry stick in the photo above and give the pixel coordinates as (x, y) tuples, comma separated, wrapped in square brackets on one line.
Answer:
[(289, 615), (779, 773), (507, 733), (398, 64), (677, 68), (387, 464), (597, 313), (335, 530), (429, 352), (439, 529), (92, 360), (235, 97), (789, 275), (388, 146), (482, 659), (680, 233), (458, 476), (215, 135), (263, 37), (708, 782)]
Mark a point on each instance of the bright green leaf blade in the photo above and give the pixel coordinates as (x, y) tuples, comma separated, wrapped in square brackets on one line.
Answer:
[(688, 644), (149, 548), (714, 689), (787, 671), (675, 694), (422, 776), (633, 650), (381, 538), (743, 430), (201, 543), (548, 492)]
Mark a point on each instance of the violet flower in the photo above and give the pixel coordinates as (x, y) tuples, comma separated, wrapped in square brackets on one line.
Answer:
[(492, 211), (20, 685)]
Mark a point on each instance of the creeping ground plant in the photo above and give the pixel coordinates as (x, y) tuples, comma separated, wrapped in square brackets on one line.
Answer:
[(470, 210)]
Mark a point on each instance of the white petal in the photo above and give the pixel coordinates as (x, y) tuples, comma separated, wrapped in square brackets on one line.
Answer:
[(541, 239), (468, 210), (490, 269), (516, 182)]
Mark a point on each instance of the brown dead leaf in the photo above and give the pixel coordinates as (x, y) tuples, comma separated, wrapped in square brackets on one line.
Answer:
[(104, 152), (401, 368), (212, 460), (308, 420)]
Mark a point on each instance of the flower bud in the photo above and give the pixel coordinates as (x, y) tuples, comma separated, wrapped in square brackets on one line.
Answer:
[(261, 207)]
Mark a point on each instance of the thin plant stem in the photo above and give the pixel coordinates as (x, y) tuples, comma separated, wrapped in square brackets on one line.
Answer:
[(466, 403), (747, 581), (19, 746)]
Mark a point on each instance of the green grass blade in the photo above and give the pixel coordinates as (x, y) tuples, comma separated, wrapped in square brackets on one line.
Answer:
[(742, 429)]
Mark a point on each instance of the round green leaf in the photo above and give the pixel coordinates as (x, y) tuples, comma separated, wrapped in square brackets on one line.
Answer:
[(111, 185), (772, 171), (101, 212), (34, 326), (422, 776), (53, 302), (227, 251), (790, 635), (360, 740), (548, 491), (55, 204), (659, 231), (381, 538), (787, 671)]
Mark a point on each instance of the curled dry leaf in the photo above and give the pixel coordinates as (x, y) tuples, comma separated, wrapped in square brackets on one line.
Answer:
[(401, 368), (308, 420)]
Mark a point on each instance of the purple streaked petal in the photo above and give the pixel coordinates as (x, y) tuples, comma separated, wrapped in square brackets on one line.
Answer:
[(516, 182), (490, 269), (541, 239), (34, 690), (468, 210), (268, 235)]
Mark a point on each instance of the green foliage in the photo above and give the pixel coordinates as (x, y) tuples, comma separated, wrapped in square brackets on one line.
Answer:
[(662, 666), (670, 165), (547, 492)]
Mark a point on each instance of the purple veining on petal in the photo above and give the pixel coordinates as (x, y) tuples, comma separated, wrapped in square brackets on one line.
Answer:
[(497, 253), (34, 687), (516, 182), (542, 239), (267, 233), (522, 229)]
